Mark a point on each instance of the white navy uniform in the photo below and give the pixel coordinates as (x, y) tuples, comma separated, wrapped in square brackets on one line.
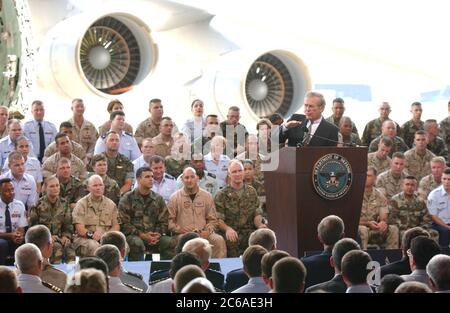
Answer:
[(6, 146), (17, 213), (32, 167), (24, 188), (31, 131), (138, 163), (128, 146), (33, 284), (116, 286), (166, 187), (220, 169)]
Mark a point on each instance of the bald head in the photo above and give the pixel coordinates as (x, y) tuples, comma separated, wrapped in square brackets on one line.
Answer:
[(95, 186), (389, 129), (190, 180)]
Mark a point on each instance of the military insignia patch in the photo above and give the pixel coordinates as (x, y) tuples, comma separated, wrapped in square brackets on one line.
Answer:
[(332, 176)]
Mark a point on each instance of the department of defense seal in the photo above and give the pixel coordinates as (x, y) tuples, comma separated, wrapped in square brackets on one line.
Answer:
[(332, 176)]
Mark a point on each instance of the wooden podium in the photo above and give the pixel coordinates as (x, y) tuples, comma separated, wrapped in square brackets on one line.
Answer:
[(294, 206)]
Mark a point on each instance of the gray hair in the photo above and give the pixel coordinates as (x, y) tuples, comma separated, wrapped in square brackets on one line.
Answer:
[(330, 229), (89, 280), (315, 94), (199, 285), (199, 247), (39, 235), (413, 287), (264, 237), (438, 269), (110, 254), (27, 257)]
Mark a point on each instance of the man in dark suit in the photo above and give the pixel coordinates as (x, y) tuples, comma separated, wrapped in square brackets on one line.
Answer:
[(401, 267), (336, 284), (329, 231), (310, 129)]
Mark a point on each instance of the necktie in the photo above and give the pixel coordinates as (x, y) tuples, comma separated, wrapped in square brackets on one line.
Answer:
[(41, 142), (8, 225), (307, 135)]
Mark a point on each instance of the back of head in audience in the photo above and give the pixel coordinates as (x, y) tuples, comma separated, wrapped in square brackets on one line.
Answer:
[(330, 230), (29, 259), (185, 275), (183, 239), (88, 280), (422, 250), (409, 235), (182, 259), (268, 260), (111, 255), (199, 285), (413, 287), (8, 281), (354, 267), (389, 283), (264, 237), (340, 249), (438, 269), (115, 238), (288, 276), (201, 248), (251, 259), (40, 236)]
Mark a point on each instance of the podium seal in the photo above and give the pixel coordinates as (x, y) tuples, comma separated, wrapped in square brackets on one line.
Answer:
[(332, 176)]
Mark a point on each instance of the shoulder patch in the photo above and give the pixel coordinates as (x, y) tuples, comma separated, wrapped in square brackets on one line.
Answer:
[(211, 175), (158, 281), (52, 287), (129, 134), (133, 287), (168, 176)]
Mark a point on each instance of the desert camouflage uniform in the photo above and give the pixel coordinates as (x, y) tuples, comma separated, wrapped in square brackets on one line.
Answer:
[(238, 208), (112, 190), (58, 219), (388, 184), (161, 148), (373, 130), (207, 181), (409, 212), (94, 216), (142, 214), (86, 135), (417, 165), (77, 167), (427, 184), (146, 129), (398, 146), (374, 204), (77, 149), (379, 164), (408, 131)]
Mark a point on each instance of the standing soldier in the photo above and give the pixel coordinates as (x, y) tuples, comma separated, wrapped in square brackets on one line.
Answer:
[(93, 216), (389, 130), (192, 209), (373, 128), (100, 167), (445, 129), (71, 188), (164, 140), (144, 218), (408, 210), (418, 158), (180, 155), (238, 210), (373, 223), (380, 159), (435, 143), (85, 132), (250, 179), (149, 128), (390, 182), (347, 138), (409, 129), (54, 212), (234, 132), (338, 109), (433, 180)]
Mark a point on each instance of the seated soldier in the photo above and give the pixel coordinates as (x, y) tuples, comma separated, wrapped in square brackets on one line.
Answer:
[(144, 218), (373, 224), (71, 188), (251, 180)]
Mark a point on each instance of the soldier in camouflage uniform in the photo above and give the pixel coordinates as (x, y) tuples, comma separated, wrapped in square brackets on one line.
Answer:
[(435, 143), (346, 137), (389, 130), (53, 211), (373, 128), (418, 158), (144, 218), (212, 128), (338, 109), (85, 132), (164, 141), (250, 179), (252, 153), (408, 210), (207, 180), (238, 211), (390, 182), (77, 149), (373, 223), (64, 151), (71, 188), (120, 167), (236, 139), (380, 159), (433, 180), (445, 129), (93, 216), (410, 127), (100, 167), (180, 155)]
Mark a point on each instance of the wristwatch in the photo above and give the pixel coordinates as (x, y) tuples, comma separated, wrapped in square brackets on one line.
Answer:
[(90, 235)]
